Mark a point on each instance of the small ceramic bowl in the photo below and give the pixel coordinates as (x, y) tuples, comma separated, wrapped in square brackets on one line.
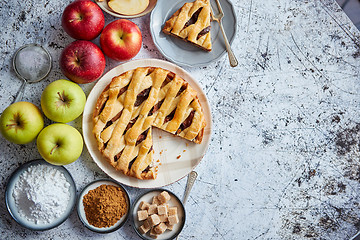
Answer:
[(104, 6), (13, 209), (81, 211), (173, 202)]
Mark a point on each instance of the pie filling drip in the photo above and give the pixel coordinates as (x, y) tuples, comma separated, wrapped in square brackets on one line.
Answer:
[(183, 88), (99, 110), (169, 77), (203, 32), (170, 116), (102, 106), (150, 70), (193, 18), (131, 163), (147, 169), (142, 96), (122, 90), (155, 108), (187, 122), (116, 117), (142, 137), (151, 165), (117, 156), (130, 124)]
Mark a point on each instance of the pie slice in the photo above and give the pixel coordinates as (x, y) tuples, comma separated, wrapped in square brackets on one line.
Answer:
[(192, 24), (131, 105)]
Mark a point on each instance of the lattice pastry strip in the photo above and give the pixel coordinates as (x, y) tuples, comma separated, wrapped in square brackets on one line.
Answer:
[(134, 102)]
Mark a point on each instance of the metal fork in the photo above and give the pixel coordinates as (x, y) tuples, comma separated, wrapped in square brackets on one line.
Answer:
[(218, 17)]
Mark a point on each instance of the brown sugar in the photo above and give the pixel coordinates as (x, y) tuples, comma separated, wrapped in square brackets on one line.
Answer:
[(161, 217), (105, 205)]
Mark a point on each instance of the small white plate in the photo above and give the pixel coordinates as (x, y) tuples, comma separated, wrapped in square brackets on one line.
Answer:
[(178, 156), (173, 202), (10, 202), (181, 52), (81, 211), (104, 6)]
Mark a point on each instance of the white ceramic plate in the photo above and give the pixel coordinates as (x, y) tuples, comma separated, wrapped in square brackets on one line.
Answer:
[(104, 6), (184, 53), (178, 156), (173, 202), (81, 211)]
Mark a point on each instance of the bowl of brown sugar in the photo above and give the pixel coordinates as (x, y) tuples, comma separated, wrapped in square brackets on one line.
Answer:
[(103, 206)]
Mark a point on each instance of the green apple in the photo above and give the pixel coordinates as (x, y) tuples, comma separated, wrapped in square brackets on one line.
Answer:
[(21, 122), (60, 144), (63, 101)]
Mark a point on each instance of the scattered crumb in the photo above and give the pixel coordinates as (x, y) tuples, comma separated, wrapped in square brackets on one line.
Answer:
[(178, 157), (160, 136), (187, 144), (184, 150), (161, 152)]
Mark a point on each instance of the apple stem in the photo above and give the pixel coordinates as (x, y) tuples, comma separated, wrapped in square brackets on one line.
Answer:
[(61, 97), (77, 60), (56, 146), (10, 125)]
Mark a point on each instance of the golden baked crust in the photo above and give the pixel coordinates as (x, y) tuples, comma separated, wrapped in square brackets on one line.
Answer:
[(192, 24), (131, 104)]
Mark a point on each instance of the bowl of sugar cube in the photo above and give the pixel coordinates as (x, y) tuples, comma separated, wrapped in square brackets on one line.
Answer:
[(158, 214)]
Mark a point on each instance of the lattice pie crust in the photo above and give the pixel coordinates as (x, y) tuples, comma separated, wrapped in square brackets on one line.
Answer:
[(131, 105)]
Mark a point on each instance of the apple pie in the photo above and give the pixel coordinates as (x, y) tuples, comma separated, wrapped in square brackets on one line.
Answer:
[(191, 23), (131, 105)]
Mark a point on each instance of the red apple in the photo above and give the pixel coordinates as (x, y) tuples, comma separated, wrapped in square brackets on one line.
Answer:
[(82, 61), (121, 40), (83, 19)]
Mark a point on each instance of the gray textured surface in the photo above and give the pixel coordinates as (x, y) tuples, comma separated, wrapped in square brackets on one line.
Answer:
[(283, 162)]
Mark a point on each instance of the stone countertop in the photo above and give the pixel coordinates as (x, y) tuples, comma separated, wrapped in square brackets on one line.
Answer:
[(283, 161)]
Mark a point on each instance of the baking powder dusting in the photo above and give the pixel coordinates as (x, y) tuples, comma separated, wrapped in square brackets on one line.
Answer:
[(42, 194)]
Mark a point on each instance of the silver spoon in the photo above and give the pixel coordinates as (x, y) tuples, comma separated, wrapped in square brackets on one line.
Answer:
[(32, 63), (189, 184)]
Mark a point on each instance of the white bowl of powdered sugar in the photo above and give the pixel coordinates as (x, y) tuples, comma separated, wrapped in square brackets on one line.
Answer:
[(40, 196)]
